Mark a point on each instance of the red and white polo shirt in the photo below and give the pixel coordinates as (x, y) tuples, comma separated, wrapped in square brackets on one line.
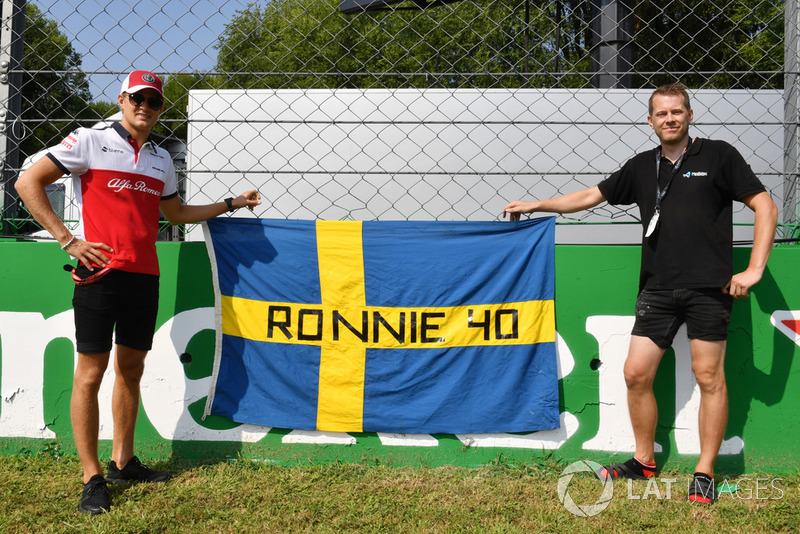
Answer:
[(118, 189)]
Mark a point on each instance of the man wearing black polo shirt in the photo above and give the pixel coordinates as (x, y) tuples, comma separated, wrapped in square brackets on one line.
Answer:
[(686, 271), (121, 180)]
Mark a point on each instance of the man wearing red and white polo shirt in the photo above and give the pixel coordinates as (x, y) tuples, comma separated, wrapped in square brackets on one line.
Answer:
[(121, 180)]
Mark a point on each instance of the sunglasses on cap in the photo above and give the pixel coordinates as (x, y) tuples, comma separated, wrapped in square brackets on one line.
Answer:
[(153, 102)]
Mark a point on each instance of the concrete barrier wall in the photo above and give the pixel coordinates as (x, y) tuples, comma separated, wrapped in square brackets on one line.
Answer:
[(595, 293)]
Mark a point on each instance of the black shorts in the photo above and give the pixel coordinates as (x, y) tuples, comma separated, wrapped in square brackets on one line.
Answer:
[(659, 314), (119, 301)]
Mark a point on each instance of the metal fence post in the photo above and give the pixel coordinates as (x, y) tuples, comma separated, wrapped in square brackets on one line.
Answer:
[(791, 112), (612, 53), (12, 45)]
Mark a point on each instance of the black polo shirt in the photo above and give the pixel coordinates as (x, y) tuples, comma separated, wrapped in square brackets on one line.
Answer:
[(692, 244)]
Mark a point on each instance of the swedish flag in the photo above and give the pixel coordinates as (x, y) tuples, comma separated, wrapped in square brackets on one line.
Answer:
[(414, 327)]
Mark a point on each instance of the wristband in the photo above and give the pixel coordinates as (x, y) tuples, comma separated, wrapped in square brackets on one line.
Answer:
[(229, 203), (68, 243)]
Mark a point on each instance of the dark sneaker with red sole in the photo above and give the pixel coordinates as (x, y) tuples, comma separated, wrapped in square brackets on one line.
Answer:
[(632, 469), (702, 489)]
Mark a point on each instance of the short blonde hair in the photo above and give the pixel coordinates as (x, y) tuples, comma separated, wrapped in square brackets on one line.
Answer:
[(670, 89)]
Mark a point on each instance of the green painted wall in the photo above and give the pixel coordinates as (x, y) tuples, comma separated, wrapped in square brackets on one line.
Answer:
[(595, 293)]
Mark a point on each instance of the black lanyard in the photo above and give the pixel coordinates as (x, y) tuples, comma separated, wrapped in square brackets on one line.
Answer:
[(660, 194)]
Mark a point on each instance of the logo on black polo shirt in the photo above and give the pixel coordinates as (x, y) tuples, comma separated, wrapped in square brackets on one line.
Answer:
[(695, 174)]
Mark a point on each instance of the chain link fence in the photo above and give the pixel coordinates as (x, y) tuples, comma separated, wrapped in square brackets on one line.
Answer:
[(376, 109)]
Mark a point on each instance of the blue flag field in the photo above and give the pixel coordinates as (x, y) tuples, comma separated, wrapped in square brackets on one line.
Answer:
[(385, 326)]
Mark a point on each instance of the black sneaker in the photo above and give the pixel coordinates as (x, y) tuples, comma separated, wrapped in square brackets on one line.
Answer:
[(134, 471), (95, 498), (702, 489)]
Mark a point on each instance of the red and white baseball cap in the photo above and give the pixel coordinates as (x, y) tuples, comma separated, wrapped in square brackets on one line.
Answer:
[(141, 79)]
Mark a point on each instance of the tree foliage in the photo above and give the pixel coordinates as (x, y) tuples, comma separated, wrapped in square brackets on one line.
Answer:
[(55, 92), (710, 43), (484, 43), (309, 43)]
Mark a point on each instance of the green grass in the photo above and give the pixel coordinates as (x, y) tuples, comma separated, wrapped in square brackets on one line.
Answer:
[(39, 493)]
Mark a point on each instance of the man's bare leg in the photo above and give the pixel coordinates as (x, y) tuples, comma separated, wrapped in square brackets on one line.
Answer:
[(85, 410), (640, 369), (708, 365), (129, 367)]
